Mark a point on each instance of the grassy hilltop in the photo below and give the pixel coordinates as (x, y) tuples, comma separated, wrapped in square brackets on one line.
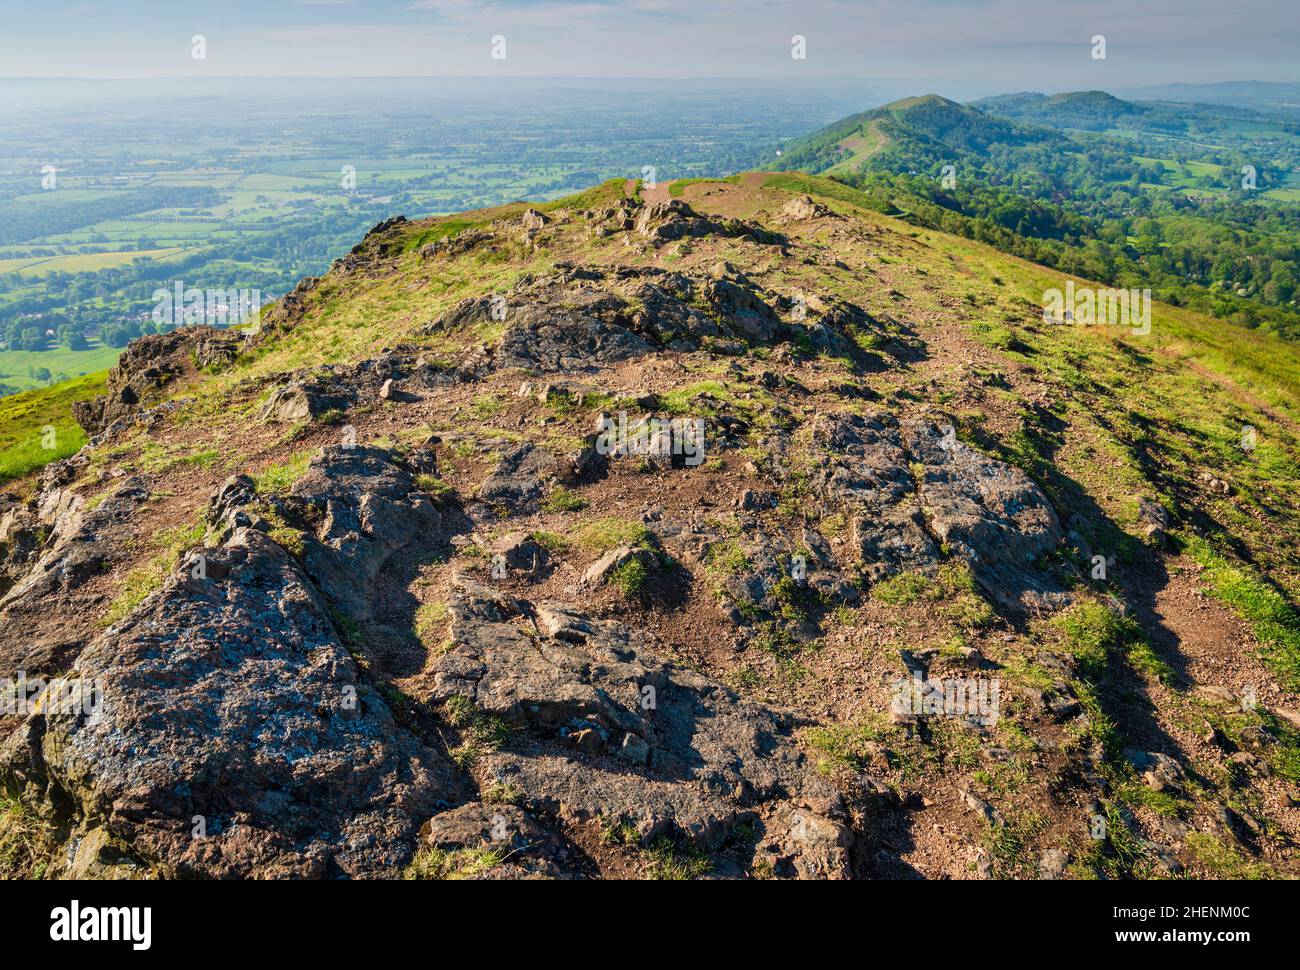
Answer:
[(1173, 456)]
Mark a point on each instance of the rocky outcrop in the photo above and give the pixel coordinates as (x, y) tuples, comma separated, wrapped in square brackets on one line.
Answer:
[(398, 375), (917, 490), (46, 614), (366, 509), (603, 729), (989, 513), (662, 222), (581, 319), (803, 207), (761, 574), (866, 473), (235, 737), (150, 364), (287, 312)]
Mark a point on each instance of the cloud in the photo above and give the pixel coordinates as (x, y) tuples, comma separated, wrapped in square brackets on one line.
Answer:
[(1003, 44)]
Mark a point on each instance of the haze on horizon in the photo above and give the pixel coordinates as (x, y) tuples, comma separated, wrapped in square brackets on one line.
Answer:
[(962, 48)]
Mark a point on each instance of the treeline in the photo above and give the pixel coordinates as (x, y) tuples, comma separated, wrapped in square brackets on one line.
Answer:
[(1176, 273), (50, 213), (117, 302), (1084, 205)]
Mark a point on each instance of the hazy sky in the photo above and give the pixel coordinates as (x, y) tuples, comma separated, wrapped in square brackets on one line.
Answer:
[(995, 44)]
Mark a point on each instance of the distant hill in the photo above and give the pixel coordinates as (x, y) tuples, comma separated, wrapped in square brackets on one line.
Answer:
[(1090, 110), (1088, 182), (905, 135), (1103, 112)]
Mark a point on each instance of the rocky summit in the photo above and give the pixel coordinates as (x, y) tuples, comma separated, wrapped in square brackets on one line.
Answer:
[(720, 529)]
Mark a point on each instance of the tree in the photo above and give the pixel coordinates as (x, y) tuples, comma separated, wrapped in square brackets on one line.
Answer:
[(32, 338)]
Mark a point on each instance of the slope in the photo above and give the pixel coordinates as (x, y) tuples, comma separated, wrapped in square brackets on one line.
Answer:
[(396, 492)]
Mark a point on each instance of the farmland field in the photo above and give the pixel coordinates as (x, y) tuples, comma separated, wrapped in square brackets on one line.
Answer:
[(217, 188)]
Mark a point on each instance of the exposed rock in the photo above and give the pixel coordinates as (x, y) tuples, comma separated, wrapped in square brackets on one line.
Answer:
[(518, 481), (306, 400), (368, 510), (742, 309), (231, 705), (518, 551), (803, 207), (288, 311), (1053, 863), (148, 365), (763, 573), (982, 808), (46, 616), (711, 758), (529, 850), (866, 472), (990, 513), (599, 572)]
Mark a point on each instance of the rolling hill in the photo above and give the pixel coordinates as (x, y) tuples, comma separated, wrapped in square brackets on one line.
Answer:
[(1194, 202), (730, 528)]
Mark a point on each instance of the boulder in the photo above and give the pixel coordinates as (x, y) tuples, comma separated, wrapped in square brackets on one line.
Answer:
[(235, 738)]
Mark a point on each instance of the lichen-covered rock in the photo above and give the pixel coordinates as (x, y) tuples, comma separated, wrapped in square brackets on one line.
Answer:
[(235, 738), (582, 318), (366, 509), (45, 615), (866, 472), (989, 513), (497, 842)]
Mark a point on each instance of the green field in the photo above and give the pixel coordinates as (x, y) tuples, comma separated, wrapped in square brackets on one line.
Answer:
[(81, 262), (36, 427), (63, 364)]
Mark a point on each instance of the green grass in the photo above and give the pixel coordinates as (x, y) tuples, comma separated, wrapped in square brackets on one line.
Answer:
[(821, 187), (278, 479), (1010, 845), (25, 843), (431, 625), (1093, 631), (841, 748), (1224, 861), (562, 499), (630, 578), (58, 361), (602, 535), (435, 488), (480, 733), (24, 418), (678, 186), (952, 592), (433, 863), (903, 589), (148, 577), (442, 229), (667, 861)]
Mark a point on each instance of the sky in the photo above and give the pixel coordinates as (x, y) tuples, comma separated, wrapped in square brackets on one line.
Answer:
[(959, 46)]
